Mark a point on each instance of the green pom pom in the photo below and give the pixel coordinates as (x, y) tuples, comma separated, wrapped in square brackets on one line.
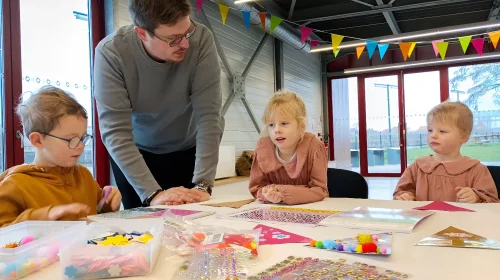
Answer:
[(319, 244), (378, 250)]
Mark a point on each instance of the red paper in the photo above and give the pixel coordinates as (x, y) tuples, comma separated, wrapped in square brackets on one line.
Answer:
[(443, 206), (270, 235)]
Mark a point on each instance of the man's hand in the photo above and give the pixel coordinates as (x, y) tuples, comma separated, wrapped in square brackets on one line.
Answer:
[(405, 197), (176, 196), (60, 211), (466, 195)]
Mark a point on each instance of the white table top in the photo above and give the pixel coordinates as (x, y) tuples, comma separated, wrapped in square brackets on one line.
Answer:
[(419, 261)]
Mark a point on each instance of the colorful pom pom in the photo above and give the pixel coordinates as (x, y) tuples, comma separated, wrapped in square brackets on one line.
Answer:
[(198, 236), (364, 238), (383, 250), (378, 250), (348, 249), (340, 247), (353, 249), (359, 249), (369, 247), (26, 240), (319, 244), (329, 244), (312, 243), (375, 237)]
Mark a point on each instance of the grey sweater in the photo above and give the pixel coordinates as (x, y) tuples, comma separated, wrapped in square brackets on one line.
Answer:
[(158, 107)]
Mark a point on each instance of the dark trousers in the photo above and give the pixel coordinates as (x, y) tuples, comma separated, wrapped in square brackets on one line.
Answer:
[(170, 170)]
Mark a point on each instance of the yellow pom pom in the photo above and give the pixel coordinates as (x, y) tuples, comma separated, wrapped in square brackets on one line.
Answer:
[(359, 249), (364, 238), (253, 245)]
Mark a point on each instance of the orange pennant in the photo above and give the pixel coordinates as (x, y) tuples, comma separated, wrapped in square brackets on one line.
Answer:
[(494, 36), (405, 49), (263, 19), (359, 50)]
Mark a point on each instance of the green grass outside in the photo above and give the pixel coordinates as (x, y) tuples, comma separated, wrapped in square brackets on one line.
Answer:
[(484, 152)]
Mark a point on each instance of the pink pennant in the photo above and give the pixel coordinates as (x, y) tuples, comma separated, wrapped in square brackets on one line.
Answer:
[(199, 4), (306, 31), (314, 43), (270, 235), (478, 45), (436, 51)]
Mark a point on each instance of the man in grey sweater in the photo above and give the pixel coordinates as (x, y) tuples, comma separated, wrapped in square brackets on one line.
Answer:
[(157, 89)]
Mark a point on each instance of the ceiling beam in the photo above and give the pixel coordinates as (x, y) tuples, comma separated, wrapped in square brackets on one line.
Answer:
[(292, 7), (391, 21), (363, 3), (304, 15)]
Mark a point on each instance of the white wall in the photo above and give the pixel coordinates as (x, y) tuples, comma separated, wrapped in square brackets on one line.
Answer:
[(302, 73)]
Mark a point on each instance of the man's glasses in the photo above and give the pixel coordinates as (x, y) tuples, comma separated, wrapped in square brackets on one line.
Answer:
[(72, 142), (176, 41)]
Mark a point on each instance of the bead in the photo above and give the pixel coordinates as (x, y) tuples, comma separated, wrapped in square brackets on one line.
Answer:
[(312, 243), (319, 244)]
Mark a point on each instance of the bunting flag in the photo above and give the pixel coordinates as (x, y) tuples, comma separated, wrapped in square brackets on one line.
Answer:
[(223, 12), (275, 22), (405, 49), (436, 51), (478, 45), (336, 52), (314, 43), (442, 48), (413, 44), (246, 18), (199, 4), (305, 32), (494, 36), (263, 19), (359, 50), (382, 49), (370, 47), (336, 40), (464, 42)]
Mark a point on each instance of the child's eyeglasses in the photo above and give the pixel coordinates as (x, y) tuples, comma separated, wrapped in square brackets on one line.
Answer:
[(72, 142), (176, 41)]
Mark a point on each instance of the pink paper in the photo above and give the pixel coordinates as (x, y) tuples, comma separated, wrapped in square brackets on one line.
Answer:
[(436, 51), (270, 236), (305, 33), (478, 45), (199, 4), (443, 206)]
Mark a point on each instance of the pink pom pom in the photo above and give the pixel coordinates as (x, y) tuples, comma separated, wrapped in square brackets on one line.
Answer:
[(52, 253), (375, 238), (383, 250), (27, 239)]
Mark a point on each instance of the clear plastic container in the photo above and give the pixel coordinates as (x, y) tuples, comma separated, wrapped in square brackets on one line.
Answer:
[(80, 260), (28, 258)]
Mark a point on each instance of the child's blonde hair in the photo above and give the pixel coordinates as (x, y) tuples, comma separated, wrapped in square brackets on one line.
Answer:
[(43, 110), (288, 104), (454, 113)]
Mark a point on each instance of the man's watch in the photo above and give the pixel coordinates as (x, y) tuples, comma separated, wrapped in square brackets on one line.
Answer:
[(148, 199), (204, 187)]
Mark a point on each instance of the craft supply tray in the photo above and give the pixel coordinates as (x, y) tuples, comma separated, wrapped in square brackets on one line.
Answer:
[(49, 236), (80, 260)]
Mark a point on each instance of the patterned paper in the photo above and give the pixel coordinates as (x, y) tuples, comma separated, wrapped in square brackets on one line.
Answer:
[(270, 235), (454, 237), (287, 215), (232, 204)]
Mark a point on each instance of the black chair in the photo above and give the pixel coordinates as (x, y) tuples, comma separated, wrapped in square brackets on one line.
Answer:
[(495, 173), (346, 183)]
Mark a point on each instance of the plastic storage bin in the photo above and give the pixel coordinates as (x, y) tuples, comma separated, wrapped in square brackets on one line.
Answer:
[(80, 260), (28, 258)]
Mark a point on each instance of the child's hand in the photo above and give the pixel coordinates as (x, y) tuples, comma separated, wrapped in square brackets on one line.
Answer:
[(272, 194), (114, 198), (60, 211), (466, 195), (405, 197)]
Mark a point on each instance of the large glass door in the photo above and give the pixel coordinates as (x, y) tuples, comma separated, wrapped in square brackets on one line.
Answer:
[(55, 50)]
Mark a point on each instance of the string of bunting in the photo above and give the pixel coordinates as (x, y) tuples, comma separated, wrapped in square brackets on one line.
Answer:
[(440, 46)]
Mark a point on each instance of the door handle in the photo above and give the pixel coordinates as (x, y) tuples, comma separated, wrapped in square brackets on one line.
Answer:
[(19, 135)]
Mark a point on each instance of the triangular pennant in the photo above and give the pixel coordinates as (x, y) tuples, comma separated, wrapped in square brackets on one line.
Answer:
[(336, 52), (246, 18), (223, 12), (363, 244), (275, 22), (359, 50), (405, 49), (199, 4), (336, 40), (454, 237), (439, 205), (382, 49), (442, 48), (464, 42), (494, 36), (270, 235), (314, 43), (478, 45), (413, 44), (370, 47), (305, 32), (263, 19), (436, 51)]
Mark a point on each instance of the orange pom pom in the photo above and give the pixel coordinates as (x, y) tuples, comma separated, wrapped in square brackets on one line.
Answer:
[(369, 247), (198, 237), (312, 243)]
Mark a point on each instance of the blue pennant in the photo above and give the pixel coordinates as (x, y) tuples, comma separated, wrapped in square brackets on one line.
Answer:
[(246, 18), (382, 49), (370, 47)]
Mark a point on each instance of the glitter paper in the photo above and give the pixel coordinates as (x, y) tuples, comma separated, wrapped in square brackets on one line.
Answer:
[(286, 215), (312, 269)]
